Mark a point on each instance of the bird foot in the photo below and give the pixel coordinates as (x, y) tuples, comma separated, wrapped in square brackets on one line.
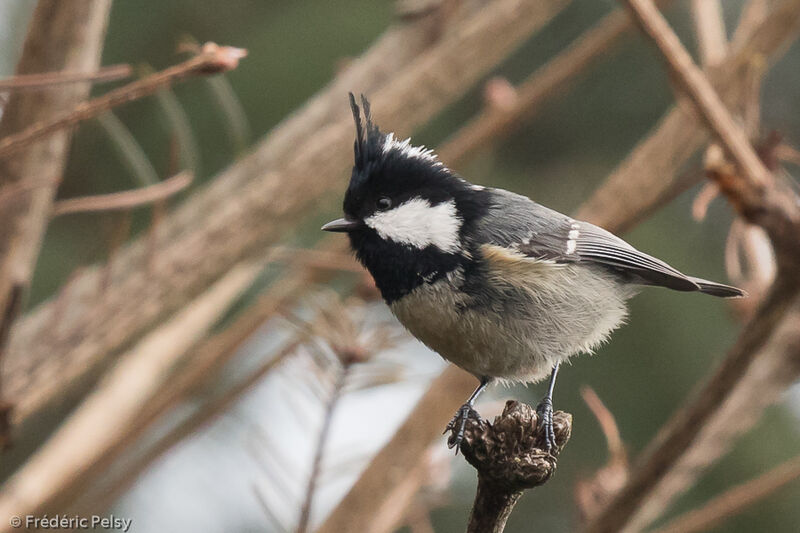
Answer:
[(457, 425), (545, 412)]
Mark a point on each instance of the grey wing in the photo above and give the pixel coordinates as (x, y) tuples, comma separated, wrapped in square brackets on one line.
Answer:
[(518, 223)]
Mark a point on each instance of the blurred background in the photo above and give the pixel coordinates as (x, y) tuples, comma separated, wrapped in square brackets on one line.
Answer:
[(248, 468)]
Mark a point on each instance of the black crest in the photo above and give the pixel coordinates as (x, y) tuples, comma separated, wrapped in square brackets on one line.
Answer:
[(369, 138)]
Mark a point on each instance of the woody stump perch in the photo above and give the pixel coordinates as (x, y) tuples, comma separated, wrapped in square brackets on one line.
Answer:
[(510, 456)]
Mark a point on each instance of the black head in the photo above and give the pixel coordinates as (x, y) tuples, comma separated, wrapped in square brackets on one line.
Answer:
[(405, 212)]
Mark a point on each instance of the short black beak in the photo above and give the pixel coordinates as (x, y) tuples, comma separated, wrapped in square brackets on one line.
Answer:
[(342, 225)]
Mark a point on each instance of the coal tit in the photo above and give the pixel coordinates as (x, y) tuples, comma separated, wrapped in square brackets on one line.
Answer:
[(495, 283)]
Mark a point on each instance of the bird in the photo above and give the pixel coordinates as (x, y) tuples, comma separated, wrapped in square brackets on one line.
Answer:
[(495, 283)]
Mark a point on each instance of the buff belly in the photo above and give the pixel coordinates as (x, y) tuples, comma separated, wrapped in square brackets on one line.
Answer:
[(520, 326)]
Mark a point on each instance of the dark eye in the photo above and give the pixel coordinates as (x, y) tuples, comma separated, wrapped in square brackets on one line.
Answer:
[(383, 203)]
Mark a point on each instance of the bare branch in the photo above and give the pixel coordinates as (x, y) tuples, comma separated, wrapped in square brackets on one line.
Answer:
[(61, 37), (701, 431), (735, 500), (607, 423), (710, 29), (213, 59), (626, 196), (126, 199), (199, 367), (510, 457), (94, 433), (44, 80), (316, 463), (594, 493), (102, 495), (701, 93), (374, 501), (544, 83), (753, 14)]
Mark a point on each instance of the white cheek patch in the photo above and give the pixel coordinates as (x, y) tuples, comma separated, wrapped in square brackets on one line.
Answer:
[(419, 224)]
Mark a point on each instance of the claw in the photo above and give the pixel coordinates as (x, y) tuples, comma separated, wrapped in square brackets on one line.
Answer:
[(545, 411), (459, 421)]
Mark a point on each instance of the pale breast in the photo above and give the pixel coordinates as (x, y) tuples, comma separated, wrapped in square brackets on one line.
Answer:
[(521, 322)]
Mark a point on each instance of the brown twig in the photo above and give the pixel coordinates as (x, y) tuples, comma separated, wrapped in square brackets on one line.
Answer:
[(753, 14), (710, 29), (713, 43), (213, 59), (496, 121), (662, 471), (735, 500), (127, 199), (48, 79), (200, 367), (102, 495), (592, 494), (91, 436), (510, 457), (626, 196), (607, 423), (322, 438), (61, 37), (701, 93), (371, 500)]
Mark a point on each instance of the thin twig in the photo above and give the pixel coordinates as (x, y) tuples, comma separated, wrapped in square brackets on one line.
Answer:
[(104, 494), (710, 29), (372, 500), (129, 149), (753, 14), (627, 196), (212, 60), (48, 79), (713, 43), (235, 118), (701, 93), (319, 450), (551, 79), (126, 199), (61, 36), (735, 500), (708, 415), (92, 436), (180, 126), (592, 494), (607, 422)]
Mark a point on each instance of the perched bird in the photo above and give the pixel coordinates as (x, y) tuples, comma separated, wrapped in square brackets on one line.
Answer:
[(495, 283)]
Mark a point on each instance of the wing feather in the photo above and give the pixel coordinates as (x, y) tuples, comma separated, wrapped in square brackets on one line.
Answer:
[(523, 226)]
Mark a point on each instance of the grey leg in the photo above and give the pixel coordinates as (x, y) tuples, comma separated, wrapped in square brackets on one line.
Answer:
[(545, 410), (460, 419)]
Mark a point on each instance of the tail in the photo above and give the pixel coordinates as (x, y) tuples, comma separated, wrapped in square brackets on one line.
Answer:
[(718, 289)]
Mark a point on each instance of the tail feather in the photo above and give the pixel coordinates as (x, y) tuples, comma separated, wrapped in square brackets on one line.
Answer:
[(718, 289)]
